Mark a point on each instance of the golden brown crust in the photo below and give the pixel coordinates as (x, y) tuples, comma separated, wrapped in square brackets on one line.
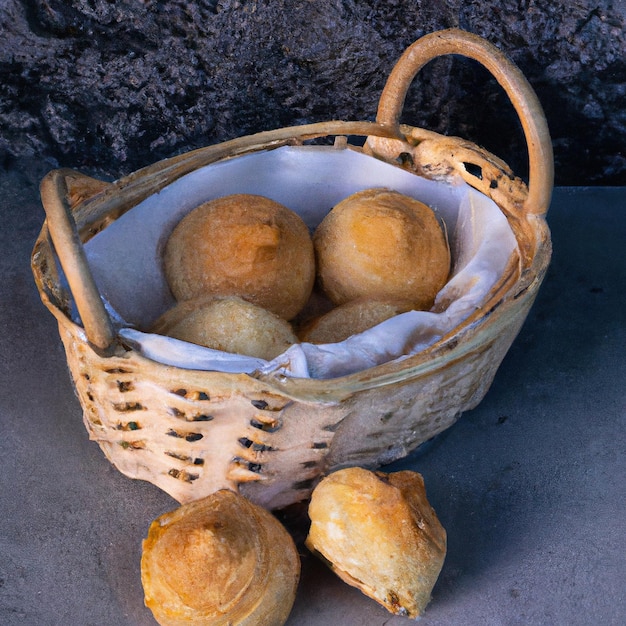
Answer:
[(219, 560), (349, 319), (379, 533), (229, 324), (244, 245), (382, 245)]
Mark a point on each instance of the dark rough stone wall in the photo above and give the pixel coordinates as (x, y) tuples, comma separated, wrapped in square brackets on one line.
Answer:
[(117, 85)]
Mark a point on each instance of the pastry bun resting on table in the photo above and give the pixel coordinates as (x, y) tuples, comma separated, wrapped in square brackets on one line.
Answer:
[(378, 533), (229, 324), (244, 245), (382, 245), (219, 560), (349, 319)]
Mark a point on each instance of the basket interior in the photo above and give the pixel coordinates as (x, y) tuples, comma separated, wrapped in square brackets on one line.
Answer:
[(125, 258)]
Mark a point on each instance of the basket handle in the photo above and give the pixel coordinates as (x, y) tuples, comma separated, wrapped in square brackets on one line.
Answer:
[(64, 234), (510, 78)]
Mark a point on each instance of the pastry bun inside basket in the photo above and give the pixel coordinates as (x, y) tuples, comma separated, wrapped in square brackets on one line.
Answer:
[(126, 257)]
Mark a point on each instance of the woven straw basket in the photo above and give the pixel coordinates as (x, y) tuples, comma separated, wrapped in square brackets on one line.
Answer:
[(191, 432)]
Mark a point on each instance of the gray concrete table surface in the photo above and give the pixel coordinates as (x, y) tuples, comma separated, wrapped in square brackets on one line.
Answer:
[(529, 485)]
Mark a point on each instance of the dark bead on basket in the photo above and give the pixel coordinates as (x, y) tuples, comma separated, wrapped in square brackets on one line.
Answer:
[(191, 395), (251, 466), (204, 417), (185, 457), (125, 407), (132, 445), (186, 436), (128, 426), (268, 426), (256, 447), (183, 475)]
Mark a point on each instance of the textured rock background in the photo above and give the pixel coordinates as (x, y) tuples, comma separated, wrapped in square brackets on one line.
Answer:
[(117, 85)]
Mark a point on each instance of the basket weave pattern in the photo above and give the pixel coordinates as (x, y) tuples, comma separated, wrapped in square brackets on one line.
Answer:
[(192, 432)]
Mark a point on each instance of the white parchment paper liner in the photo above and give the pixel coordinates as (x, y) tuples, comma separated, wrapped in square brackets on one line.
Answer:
[(126, 257)]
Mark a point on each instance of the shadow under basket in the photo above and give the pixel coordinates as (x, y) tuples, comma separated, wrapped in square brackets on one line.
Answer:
[(272, 437)]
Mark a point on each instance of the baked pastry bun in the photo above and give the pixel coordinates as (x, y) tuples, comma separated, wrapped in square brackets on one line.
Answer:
[(349, 319), (229, 324), (219, 560), (379, 533), (243, 245), (382, 245)]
